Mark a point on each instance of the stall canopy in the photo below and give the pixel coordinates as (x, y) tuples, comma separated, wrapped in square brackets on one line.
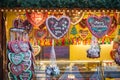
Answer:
[(106, 4)]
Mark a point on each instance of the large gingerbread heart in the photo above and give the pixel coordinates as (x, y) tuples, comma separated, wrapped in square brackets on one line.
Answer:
[(58, 27), (16, 69), (15, 58), (26, 75), (36, 18), (99, 26), (84, 33)]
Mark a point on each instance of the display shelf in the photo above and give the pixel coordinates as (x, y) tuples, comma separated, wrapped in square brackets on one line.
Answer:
[(110, 69), (80, 69)]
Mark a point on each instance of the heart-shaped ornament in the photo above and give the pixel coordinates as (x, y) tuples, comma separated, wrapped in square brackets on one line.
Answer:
[(12, 76), (99, 26), (36, 18), (16, 58), (27, 26), (17, 23), (15, 47), (24, 46), (76, 17), (16, 69), (27, 65), (83, 23), (84, 33), (113, 25), (9, 45), (58, 27), (27, 55), (26, 75), (36, 49), (41, 34)]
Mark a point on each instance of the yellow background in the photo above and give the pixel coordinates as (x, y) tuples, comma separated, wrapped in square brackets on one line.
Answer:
[(77, 52)]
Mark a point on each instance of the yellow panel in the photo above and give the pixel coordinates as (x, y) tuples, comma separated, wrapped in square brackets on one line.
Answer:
[(78, 52)]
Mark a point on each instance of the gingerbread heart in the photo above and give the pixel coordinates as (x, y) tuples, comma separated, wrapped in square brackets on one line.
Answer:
[(40, 34), (99, 26), (76, 17), (58, 27), (12, 76), (36, 18), (36, 49), (84, 33), (113, 25), (15, 47), (27, 65), (16, 69), (24, 46), (16, 58), (27, 55), (26, 75)]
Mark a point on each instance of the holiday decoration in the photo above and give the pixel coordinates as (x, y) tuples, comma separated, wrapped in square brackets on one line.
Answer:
[(36, 18), (76, 17), (36, 49), (73, 31), (26, 25), (41, 34), (52, 69), (58, 27), (113, 25), (99, 26), (83, 23), (20, 55), (94, 51), (83, 33)]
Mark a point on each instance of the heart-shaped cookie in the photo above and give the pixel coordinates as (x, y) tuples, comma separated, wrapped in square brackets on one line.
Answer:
[(12, 76), (99, 26), (26, 75), (16, 69), (15, 47), (36, 49), (83, 23), (113, 25), (41, 34), (15, 58), (27, 65), (27, 56), (58, 27), (84, 33), (76, 17), (27, 26), (24, 46), (36, 18)]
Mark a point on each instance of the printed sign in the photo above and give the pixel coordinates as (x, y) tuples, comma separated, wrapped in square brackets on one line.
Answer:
[(58, 27), (99, 26)]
